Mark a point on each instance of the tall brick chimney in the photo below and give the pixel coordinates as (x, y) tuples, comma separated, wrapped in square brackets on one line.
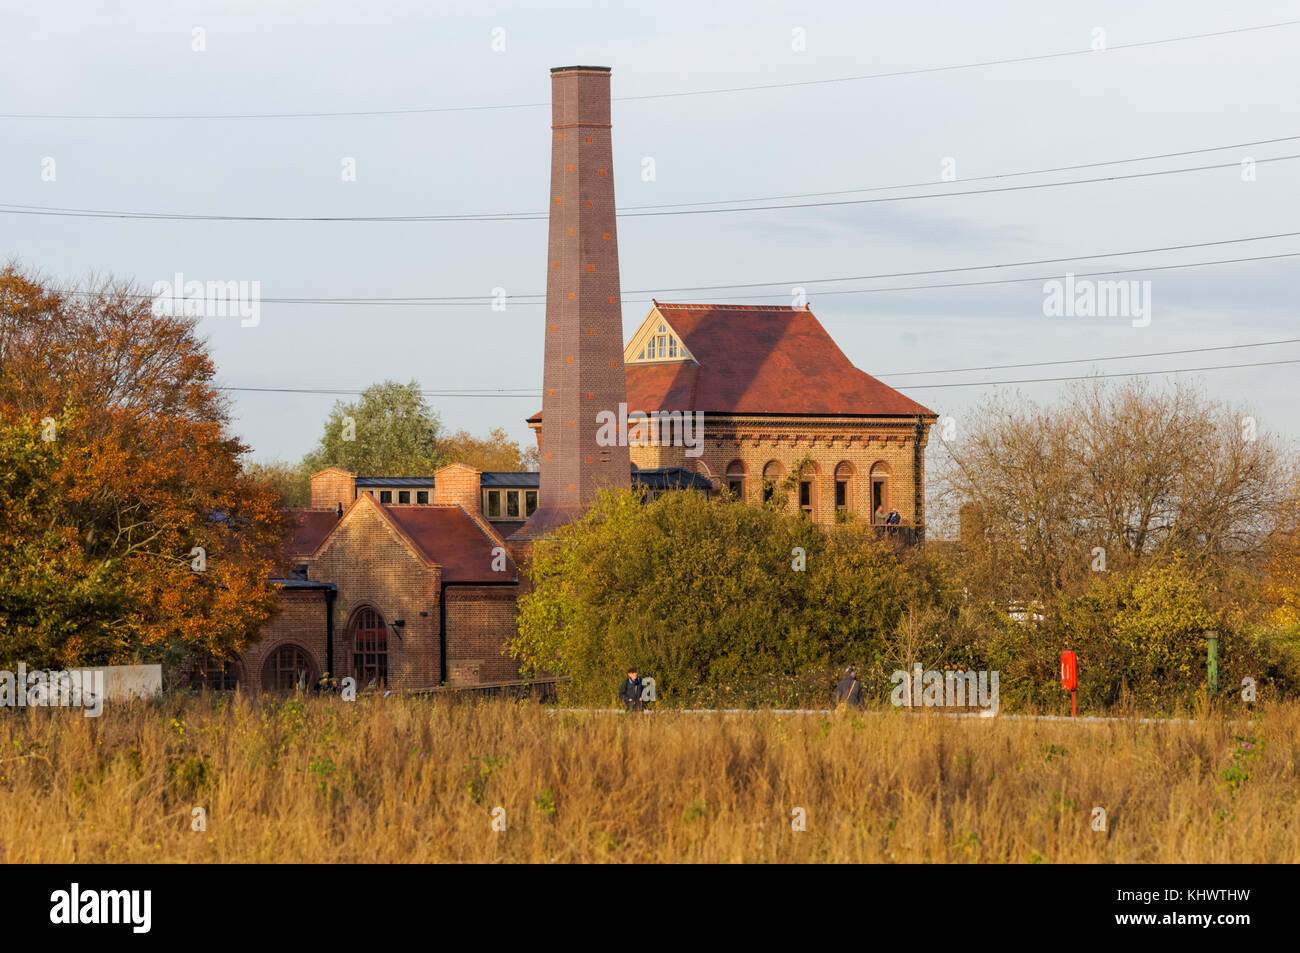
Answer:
[(583, 371)]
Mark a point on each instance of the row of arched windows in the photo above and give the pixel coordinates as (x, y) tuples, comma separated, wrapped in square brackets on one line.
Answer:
[(290, 667), (846, 489)]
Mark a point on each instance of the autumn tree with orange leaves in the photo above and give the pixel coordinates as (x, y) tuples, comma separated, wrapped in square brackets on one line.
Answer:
[(128, 530)]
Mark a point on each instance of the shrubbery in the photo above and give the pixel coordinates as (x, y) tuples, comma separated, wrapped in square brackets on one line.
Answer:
[(700, 593), (713, 600)]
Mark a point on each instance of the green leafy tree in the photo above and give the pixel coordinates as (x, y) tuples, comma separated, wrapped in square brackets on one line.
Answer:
[(1140, 632), (496, 451), (389, 431), (705, 593)]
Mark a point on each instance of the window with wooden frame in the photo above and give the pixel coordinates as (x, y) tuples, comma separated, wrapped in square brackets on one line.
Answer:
[(843, 476), (215, 675), (369, 648), (661, 345), (509, 504), (288, 669), (805, 496), (736, 479)]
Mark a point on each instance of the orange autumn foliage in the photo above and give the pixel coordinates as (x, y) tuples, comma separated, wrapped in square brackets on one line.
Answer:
[(116, 469)]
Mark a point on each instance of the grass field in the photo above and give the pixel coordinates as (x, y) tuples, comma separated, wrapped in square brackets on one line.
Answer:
[(414, 780)]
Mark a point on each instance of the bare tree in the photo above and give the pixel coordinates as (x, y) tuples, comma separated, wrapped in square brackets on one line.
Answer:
[(1109, 476)]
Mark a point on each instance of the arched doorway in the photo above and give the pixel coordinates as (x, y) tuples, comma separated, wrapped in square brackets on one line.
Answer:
[(289, 668)]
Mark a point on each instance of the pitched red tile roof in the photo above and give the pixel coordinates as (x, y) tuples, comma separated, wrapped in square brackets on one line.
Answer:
[(310, 527), (759, 359), (447, 536)]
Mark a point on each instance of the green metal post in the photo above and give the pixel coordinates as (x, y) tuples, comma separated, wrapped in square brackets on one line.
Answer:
[(1212, 660)]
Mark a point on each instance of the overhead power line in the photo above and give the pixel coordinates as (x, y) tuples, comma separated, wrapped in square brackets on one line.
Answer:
[(521, 393), (1080, 377), (1145, 269), (62, 212), (1112, 48), (910, 387), (975, 178), (633, 298), (463, 300), (1015, 264), (1094, 360)]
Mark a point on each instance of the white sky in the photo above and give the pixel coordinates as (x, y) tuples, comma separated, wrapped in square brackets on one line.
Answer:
[(136, 57)]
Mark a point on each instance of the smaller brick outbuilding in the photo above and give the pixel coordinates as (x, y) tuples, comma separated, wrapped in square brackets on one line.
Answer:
[(407, 595)]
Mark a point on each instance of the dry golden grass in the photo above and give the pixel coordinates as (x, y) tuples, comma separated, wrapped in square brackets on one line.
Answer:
[(398, 780)]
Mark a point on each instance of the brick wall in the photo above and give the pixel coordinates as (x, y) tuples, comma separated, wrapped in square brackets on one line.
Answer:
[(458, 483), (583, 354), (891, 445), (373, 565), (332, 486), (480, 619), (299, 620)]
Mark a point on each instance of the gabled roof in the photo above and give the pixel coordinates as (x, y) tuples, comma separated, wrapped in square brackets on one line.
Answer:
[(310, 527), (442, 535), (757, 359), (446, 535)]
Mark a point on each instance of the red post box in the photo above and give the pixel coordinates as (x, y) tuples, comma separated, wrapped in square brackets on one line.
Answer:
[(1070, 678)]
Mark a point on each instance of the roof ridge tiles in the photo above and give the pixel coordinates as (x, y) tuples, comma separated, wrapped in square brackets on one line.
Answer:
[(729, 307)]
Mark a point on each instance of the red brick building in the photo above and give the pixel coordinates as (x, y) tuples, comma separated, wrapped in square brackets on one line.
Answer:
[(770, 388), (409, 594), (412, 582)]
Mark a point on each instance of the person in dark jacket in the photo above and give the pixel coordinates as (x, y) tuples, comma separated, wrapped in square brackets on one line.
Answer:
[(630, 691), (849, 690), (893, 519)]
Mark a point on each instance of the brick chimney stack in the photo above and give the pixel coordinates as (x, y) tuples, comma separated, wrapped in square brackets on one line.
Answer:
[(583, 371)]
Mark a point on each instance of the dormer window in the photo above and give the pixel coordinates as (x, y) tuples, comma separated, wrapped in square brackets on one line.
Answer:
[(660, 346), (663, 345), (658, 342)]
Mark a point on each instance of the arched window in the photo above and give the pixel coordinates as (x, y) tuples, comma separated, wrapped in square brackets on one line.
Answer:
[(881, 500), (369, 648), (844, 486), (736, 479), (808, 494), (287, 669), (773, 474)]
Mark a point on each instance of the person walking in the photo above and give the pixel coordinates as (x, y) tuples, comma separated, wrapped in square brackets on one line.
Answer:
[(630, 691), (849, 691)]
